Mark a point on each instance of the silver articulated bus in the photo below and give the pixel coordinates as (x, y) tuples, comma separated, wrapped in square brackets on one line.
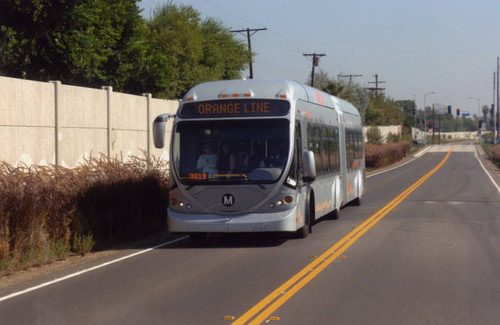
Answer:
[(261, 156)]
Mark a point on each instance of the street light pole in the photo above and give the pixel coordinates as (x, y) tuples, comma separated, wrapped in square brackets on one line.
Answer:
[(415, 118), (425, 117), (478, 105)]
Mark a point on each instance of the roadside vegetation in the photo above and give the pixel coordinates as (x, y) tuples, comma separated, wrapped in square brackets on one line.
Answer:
[(379, 154), (493, 153), (48, 212), (92, 43)]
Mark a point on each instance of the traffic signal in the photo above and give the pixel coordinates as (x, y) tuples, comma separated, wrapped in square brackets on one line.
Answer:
[(449, 109), (430, 125), (458, 111), (480, 123)]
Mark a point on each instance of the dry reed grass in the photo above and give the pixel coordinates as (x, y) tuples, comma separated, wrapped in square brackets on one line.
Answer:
[(43, 208), (495, 153), (381, 155)]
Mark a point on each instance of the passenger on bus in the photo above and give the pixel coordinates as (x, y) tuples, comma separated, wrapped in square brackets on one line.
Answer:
[(226, 160), (207, 162), (275, 159)]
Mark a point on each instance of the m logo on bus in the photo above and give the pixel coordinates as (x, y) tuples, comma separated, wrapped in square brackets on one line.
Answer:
[(228, 200)]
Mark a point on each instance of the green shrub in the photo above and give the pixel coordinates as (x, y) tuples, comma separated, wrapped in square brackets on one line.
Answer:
[(83, 244), (392, 138), (373, 135)]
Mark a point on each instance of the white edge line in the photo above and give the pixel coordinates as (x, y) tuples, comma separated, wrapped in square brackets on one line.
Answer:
[(69, 276), (486, 171), (421, 153)]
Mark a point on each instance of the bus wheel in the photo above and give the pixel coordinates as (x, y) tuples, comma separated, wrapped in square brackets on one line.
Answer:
[(334, 215), (357, 202), (310, 217), (304, 231), (197, 238)]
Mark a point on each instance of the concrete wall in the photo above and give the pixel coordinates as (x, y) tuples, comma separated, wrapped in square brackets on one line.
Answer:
[(384, 131), (419, 135), (84, 121)]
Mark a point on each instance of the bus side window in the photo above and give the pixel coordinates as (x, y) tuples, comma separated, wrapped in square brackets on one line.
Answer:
[(317, 149), (310, 137), (324, 149), (332, 148), (337, 147)]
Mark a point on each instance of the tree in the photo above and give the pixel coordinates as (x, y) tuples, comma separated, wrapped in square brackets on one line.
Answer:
[(353, 93), (106, 42), (189, 51), (83, 42), (383, 110)]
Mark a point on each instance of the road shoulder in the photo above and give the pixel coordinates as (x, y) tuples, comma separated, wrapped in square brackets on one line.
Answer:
[(488, 164)]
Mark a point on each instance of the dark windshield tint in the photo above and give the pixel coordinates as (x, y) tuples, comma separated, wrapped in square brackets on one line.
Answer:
[(231, 151)]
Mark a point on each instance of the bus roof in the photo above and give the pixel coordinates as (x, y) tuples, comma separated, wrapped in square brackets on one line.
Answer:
[(272, 89)]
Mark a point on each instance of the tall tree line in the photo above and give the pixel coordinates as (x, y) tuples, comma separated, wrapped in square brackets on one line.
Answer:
[(107, 42)]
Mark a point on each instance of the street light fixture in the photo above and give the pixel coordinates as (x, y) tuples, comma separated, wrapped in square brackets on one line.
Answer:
[(478, 105), (425, 117)]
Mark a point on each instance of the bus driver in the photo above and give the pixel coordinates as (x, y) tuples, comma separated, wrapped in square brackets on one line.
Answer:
[(207, 162)]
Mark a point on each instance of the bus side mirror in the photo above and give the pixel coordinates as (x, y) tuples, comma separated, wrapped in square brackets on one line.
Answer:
[(159, 129), (309, 167)]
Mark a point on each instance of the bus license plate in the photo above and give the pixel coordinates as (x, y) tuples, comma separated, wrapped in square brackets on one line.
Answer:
[(259, 227)]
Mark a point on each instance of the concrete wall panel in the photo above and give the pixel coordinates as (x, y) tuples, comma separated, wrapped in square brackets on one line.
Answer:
[(28, 122)]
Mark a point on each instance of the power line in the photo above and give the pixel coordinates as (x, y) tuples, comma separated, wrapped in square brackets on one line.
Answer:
[(230, 13), (350, 76), (248, 30)]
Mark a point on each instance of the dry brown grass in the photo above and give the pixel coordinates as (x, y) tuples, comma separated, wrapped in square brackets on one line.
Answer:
[(381, 155), (495, 153), (43, 208)]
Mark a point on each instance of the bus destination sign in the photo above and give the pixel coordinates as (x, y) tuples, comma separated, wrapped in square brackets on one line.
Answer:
[(235, 108)]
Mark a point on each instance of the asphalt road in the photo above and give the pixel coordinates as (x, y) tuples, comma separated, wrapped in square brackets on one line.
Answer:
[(423, 248)]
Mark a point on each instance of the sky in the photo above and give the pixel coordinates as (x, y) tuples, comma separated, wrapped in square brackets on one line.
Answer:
[(449, 47)]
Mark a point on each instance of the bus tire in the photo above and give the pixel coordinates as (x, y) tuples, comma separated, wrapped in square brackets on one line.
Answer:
[(304, 231), (334, 215), (309, 217), (197, 238), (356, 201)]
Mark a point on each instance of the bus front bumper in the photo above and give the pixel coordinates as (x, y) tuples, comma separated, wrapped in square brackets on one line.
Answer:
[(252, 222)]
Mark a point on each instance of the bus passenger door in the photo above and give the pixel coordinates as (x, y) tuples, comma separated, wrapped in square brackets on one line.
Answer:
[(301, 186)]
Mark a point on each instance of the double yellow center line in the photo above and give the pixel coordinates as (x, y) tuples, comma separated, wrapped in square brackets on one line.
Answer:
[(264, 309)]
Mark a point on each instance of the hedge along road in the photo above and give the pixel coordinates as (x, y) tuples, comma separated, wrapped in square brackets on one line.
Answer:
[(431, 259)]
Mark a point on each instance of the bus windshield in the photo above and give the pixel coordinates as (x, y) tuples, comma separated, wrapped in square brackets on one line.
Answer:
[(230, 151)]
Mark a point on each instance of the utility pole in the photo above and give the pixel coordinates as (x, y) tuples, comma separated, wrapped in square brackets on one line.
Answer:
[(376, 88), (350, 76), (415, 117), (494, 116), (315, 63), (498, 100), (248, 30)]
